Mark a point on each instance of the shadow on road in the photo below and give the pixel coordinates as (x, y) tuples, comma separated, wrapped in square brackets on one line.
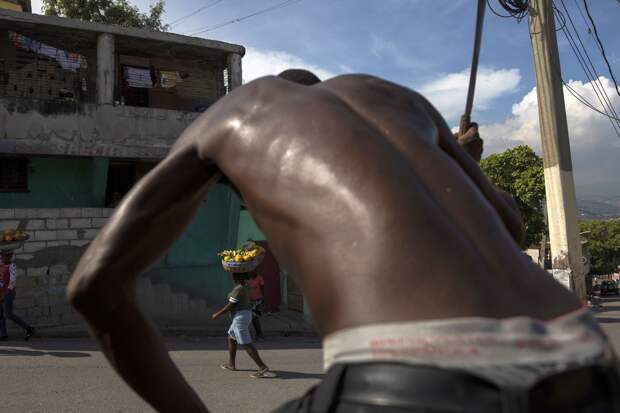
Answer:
[(289, 375), (22, 352), (60, 345), (285, 375)]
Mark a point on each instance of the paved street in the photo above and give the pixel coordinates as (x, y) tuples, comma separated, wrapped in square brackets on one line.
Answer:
[(71, 375), (609, 317)]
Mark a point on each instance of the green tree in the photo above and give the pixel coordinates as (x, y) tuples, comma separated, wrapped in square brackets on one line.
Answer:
[(519, 171), (604, 245), (118, 12)]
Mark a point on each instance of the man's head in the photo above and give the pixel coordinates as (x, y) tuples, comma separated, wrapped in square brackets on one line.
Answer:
[(301, 76), (7, 256)]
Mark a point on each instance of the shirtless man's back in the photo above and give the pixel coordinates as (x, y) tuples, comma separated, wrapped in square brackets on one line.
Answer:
[(364, 196)]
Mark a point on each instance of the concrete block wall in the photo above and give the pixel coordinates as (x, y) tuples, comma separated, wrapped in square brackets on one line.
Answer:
[(58, 237)]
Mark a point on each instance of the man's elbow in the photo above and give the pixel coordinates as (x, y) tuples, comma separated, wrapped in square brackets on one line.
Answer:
[(79, 292), (93, 299)]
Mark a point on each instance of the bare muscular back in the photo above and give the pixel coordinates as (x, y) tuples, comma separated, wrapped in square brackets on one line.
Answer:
[(365, 197), (359, 187)]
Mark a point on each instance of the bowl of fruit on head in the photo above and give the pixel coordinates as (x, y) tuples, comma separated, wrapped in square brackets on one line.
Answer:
[(245, 259), (12, 239)]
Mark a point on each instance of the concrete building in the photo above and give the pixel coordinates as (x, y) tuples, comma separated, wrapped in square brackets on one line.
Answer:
[(85, 111)]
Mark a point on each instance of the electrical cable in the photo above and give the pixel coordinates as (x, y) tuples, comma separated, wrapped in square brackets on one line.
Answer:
[(516, 9), (281, 5), (583, 16), (585, 102), (602, 49), (589, 69), (187, 16), (598, 90)]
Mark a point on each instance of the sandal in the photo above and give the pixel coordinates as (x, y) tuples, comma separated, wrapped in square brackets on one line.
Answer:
[(261, 374), (227, 367)]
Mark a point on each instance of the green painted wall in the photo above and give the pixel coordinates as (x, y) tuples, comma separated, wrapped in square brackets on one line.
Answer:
[(248, 228), (192, 265), (61, 183), (307, 313), (99, 180)]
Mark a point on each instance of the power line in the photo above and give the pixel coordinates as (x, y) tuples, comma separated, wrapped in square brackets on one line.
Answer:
[(517, 9), (585, 102), (593, 73), (598, 40), (597, 87), (187, 16), (281, 5), (583, 16), (590, 71)]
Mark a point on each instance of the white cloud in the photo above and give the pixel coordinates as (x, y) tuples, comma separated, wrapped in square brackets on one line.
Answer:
[(594, 145), (386, 49), (257, 63), (449, 93)]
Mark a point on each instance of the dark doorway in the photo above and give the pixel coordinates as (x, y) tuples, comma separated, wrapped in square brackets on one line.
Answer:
[(121, 177)]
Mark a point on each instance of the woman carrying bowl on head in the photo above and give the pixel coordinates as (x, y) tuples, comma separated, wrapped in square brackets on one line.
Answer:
[(8, 280), (239, 307)]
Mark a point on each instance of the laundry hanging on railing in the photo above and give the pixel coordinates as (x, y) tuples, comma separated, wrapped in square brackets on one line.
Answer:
[(138, 77), (67, 60), (169, 79)]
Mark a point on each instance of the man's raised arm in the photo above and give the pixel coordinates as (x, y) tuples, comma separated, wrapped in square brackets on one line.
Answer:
[(102, 288)]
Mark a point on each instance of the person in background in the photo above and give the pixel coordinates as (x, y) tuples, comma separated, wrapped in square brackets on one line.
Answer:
[(239, 332), (8, 280), (257, 298)]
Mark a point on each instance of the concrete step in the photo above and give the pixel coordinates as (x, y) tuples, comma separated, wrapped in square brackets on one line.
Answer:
[(182, 303), (197, 305), (161, 299), (172, 308)]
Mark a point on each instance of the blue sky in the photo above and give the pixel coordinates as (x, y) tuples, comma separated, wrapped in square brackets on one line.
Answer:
[(427, 45)]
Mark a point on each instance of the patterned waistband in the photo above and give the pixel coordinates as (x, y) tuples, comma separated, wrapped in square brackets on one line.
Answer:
[(477, 344)]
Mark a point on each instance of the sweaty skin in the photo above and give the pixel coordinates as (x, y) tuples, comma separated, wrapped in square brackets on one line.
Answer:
[(364, 196)]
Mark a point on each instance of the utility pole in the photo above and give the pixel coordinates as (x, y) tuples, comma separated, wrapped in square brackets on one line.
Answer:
[(559, 184)]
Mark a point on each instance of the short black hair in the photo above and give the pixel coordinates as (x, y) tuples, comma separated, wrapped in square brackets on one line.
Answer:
[(301, 76)]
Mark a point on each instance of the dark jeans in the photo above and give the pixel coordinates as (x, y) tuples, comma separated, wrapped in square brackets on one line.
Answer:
[(6, 310), (400, 388)]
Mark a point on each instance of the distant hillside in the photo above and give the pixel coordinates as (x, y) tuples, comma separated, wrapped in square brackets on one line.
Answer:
[(599, 207)]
